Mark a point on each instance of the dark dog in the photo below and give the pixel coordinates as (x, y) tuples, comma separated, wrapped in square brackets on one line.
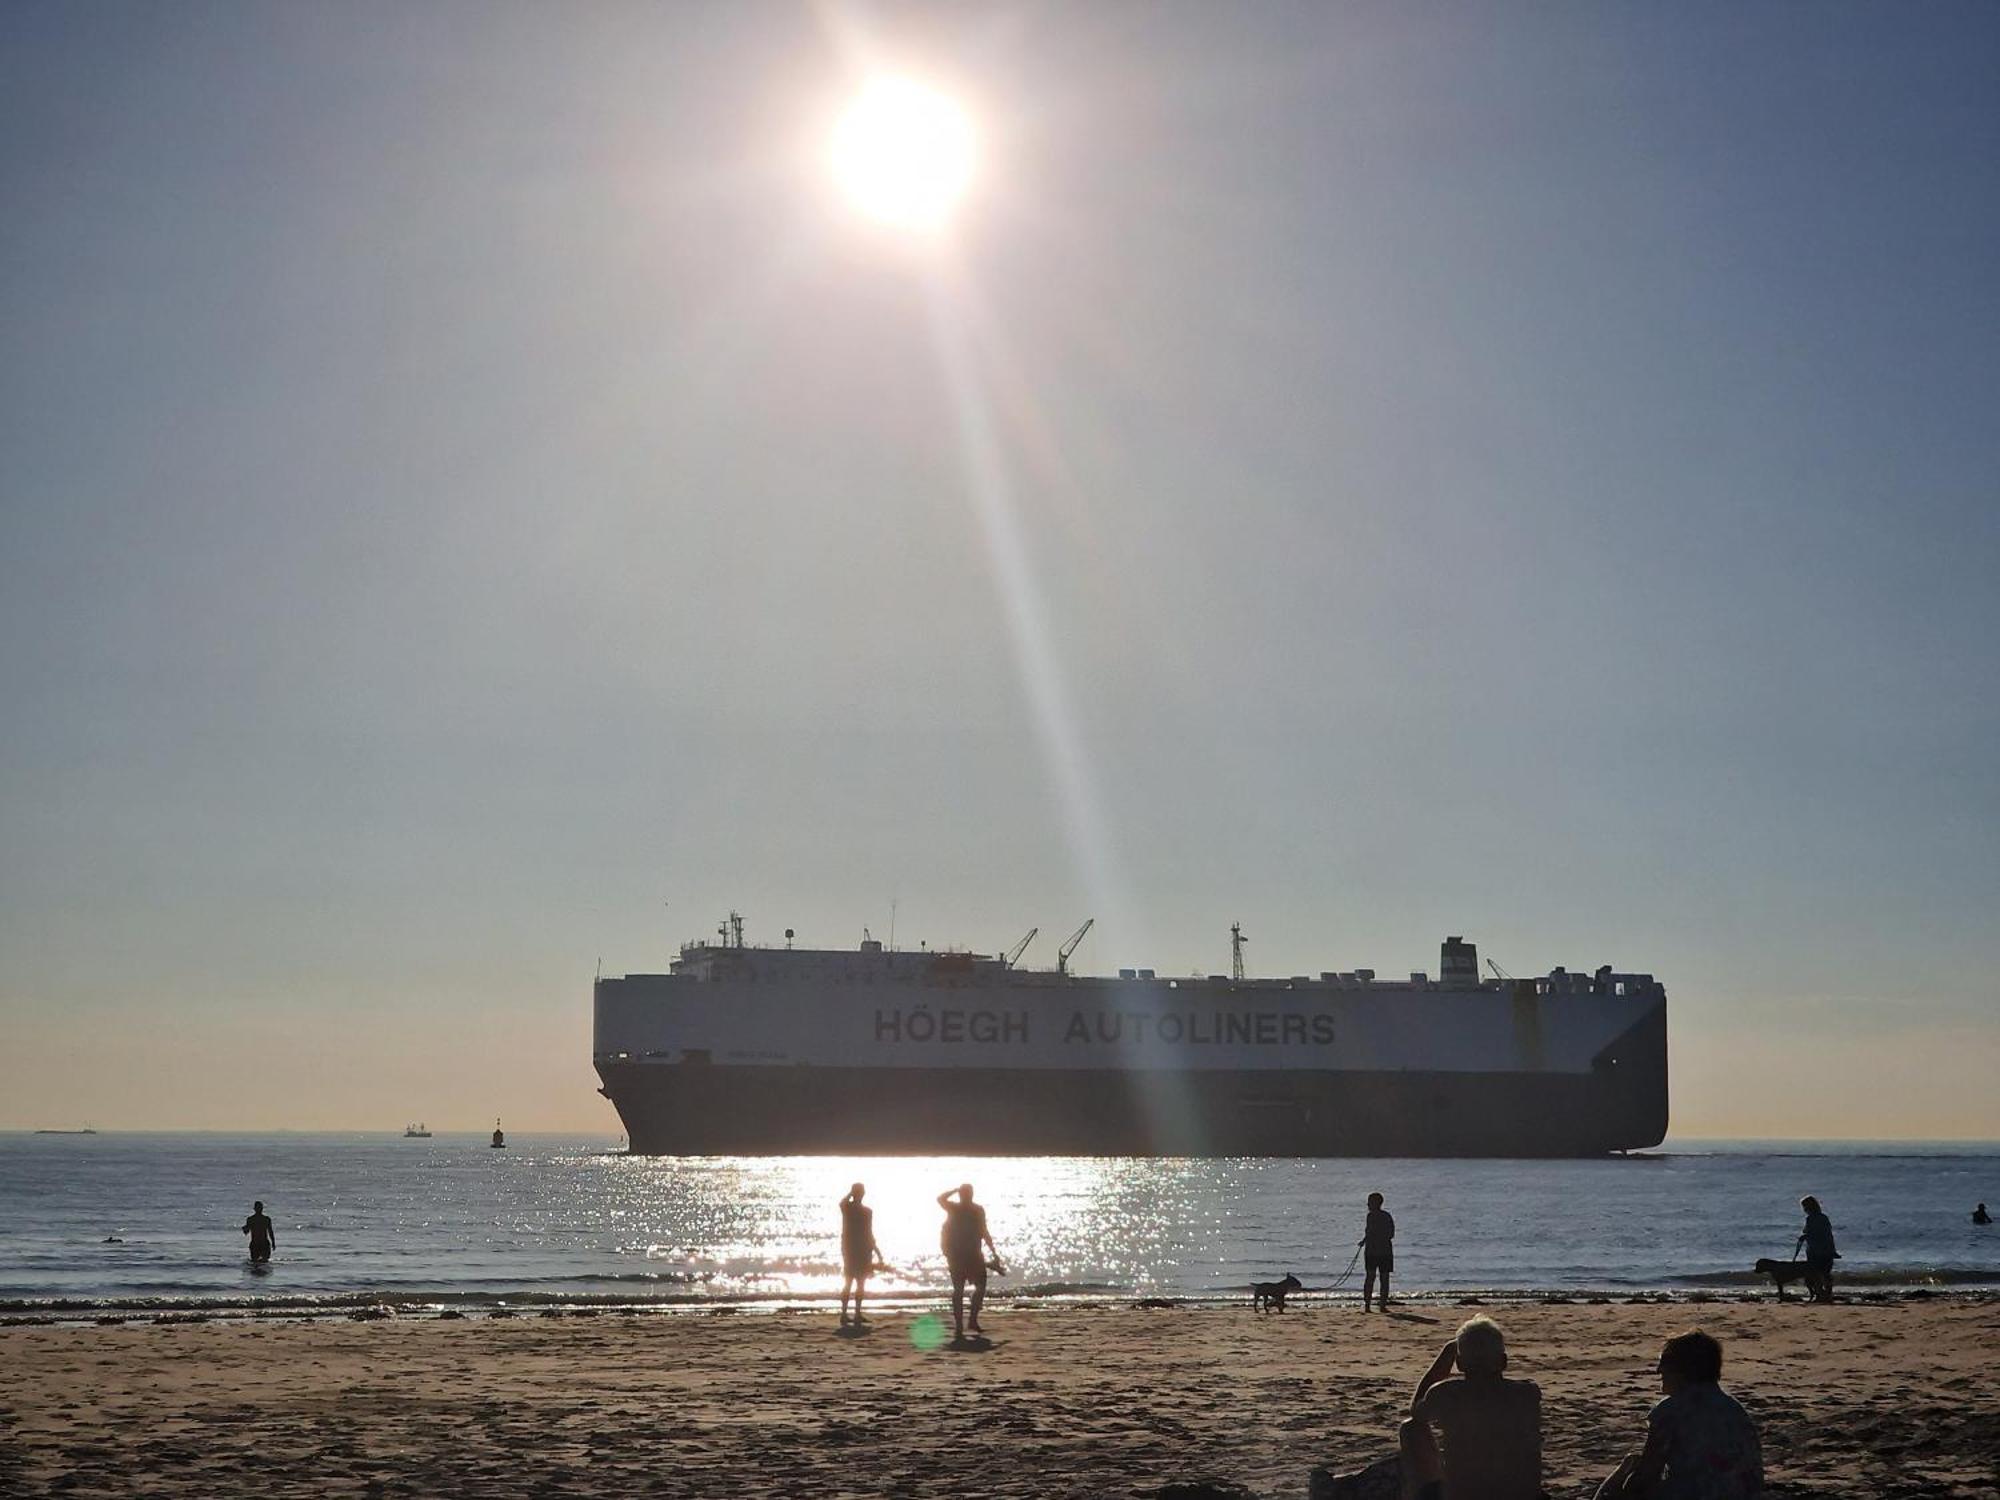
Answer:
[(1272, 1294), (1781, 1272)]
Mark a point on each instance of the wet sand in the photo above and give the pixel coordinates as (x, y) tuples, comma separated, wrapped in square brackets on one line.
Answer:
[(1895, 1398)]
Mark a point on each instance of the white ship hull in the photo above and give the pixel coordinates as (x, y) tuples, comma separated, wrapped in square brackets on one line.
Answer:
[(760, 1051)]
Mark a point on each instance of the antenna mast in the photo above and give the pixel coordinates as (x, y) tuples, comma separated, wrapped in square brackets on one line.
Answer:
[(1236, 942)]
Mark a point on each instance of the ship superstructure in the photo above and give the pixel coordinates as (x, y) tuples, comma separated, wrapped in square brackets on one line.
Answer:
[(748, 1050)]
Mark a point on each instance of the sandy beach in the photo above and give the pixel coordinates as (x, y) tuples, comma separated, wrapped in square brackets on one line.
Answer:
[(1890, 1398)]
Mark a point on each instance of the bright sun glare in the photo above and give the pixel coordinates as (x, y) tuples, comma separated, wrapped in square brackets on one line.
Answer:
[(904, 153)]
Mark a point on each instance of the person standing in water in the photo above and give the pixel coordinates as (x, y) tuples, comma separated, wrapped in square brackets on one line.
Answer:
[(859, 1254), (1817, 1238), (1981, 1216), (263, 1236), (962, 1238), (1378, 1251)]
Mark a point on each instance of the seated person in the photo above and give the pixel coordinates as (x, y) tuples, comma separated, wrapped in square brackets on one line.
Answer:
[(1700, 1445), (1488, 1440)]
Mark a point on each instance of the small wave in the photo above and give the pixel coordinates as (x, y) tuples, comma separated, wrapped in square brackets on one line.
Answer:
[(1887, 1276)]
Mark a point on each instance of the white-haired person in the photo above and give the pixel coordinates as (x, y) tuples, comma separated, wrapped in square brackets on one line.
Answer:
[(1474, 1434)]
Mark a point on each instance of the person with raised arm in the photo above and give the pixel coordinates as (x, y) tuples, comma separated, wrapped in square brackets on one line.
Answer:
[(962, 1239), (1487, 1443), (860, 1256)]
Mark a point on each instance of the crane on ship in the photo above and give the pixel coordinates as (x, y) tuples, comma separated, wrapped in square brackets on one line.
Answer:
[(1013, 954), (1062, 957), (1236, 942)]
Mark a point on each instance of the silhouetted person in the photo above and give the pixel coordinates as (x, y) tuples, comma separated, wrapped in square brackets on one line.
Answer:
[(263, 1236), (1817, 1238), (1700, 1445), (964, 1234), (1981, 1216), (859, 1254), (1378, 1251), (1488, 1442)]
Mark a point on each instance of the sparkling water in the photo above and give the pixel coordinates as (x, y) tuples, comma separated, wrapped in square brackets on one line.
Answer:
[(143, 1220)]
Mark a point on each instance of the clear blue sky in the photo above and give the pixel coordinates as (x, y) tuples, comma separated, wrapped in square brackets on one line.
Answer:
[(1523, 471)]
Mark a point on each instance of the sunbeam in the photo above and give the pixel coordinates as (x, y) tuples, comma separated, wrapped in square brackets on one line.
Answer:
[(1043, 675)]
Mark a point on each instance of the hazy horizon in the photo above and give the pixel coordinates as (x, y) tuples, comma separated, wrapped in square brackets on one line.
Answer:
[(477, 503), (516, 1135)]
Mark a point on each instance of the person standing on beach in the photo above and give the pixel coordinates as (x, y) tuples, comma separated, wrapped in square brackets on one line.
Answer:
[(1817, 1238), (963, 1236), (859, 1254), (1700, 1444), (263, 1235), (1488, 1442), (1378, 1251)]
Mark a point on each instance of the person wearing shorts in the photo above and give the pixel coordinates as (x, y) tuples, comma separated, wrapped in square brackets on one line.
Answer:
[(859, 1254), (1378, 1251), (966, 1244)]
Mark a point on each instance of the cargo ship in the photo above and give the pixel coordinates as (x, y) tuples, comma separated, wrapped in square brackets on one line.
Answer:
[(743, 1050)]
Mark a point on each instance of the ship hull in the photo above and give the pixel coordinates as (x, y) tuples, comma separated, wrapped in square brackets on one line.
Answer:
[(700, 1108)]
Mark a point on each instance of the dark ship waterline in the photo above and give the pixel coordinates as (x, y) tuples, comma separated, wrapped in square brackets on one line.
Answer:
[(780, 1051)]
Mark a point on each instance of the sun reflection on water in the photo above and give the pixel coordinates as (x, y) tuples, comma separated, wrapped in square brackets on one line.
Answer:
[(771, 1227)]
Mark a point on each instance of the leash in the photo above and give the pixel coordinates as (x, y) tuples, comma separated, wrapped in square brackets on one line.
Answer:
[(1348, 1272)]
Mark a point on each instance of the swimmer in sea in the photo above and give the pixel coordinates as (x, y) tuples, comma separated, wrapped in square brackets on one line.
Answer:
[(263, 1236)]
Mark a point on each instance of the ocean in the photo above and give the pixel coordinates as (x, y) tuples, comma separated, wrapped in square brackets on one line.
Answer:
[(92, 1225)]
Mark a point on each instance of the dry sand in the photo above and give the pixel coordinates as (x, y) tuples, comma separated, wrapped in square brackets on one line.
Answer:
[(1895, 1398)]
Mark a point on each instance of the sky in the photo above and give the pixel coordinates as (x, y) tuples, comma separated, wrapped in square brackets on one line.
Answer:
[(477, 503)]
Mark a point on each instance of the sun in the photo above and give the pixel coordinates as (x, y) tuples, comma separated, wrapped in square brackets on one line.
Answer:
[(904, 153)]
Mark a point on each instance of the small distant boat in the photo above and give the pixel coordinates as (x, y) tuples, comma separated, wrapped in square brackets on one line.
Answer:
[(417, 1132), (85, 1130), (499, 1137)]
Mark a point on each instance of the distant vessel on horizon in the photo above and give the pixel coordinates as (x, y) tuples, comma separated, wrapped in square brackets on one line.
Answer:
[(499, 1142), (57, 1130), (417, 1132), (781, 1051)]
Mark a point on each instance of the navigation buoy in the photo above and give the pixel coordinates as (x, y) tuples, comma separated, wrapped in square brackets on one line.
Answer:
[(499, 1137)]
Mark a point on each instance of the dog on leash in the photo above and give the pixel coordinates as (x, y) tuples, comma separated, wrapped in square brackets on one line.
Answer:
[(1781, 1272), (1272, 1294)]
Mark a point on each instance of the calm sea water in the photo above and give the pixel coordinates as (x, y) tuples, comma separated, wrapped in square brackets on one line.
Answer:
[(139, 1220)]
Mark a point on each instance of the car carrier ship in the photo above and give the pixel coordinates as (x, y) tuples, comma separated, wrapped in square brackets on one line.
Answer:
[(742, 1050)]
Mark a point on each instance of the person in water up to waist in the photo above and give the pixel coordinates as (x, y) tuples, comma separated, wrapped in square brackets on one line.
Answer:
[(263, 1234), (963, 1236)]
